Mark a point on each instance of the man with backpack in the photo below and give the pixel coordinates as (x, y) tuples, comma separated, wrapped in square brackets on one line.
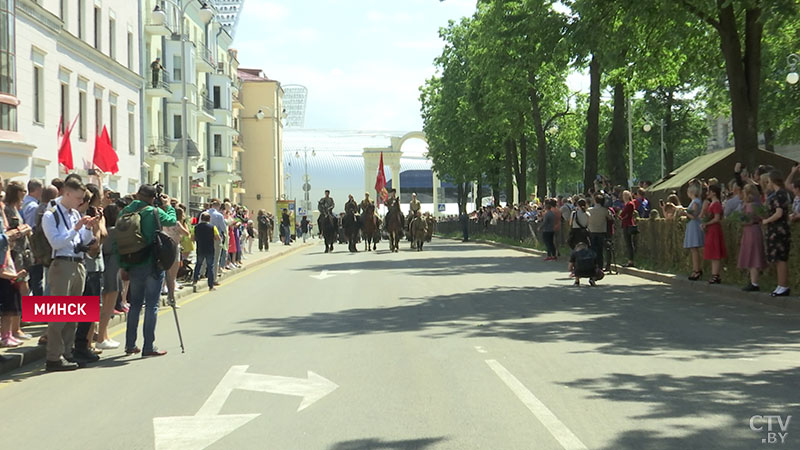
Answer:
[(263, 230), (136, 247)]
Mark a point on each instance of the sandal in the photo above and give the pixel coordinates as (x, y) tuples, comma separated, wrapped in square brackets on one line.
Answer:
[(715, 279), (695, 276)]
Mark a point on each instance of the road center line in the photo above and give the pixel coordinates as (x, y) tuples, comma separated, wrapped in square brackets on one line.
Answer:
[(563, 435)]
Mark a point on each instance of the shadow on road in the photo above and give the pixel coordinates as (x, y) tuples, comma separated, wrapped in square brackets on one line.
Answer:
[(380, 444)]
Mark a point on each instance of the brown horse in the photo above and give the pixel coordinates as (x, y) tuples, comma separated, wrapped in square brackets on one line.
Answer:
[(369, 228), (394, 225)]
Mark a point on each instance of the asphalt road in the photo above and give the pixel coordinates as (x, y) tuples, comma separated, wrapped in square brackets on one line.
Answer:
[(462, 346)]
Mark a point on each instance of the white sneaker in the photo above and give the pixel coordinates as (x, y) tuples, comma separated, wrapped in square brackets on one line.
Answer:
[(108, 344)]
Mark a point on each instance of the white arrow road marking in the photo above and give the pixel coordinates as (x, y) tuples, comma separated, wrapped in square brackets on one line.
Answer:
[(207, 426), (195, 432), (311, 389), (332, 273), (563, 435)]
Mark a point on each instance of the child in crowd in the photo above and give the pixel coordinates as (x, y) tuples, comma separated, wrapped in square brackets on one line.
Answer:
[(693, 238), (751, 249), (714, 249)]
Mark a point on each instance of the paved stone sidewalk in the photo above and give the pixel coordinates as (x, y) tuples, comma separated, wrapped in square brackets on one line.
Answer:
[(31, 352)]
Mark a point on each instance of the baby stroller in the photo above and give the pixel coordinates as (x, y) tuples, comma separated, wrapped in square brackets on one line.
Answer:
[(186, 271)]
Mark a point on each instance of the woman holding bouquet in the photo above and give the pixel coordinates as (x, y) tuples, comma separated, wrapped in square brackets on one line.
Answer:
[(751, 249), (714, 249)]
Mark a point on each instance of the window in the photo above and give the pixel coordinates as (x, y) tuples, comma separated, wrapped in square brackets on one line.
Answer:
[(131, 134), (130, 51), (63, 8), (8, 111), (112, 125), (64, 107), (98, 116), (97, 28), (176, 126), (81, 12), (176, 68), (38, 97), (217, 98), (82, 115), (112, 38), (217, 145)]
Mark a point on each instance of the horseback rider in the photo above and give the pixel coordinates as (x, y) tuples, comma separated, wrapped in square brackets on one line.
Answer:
[(326, 204), (392, 199), (414, 205), (362, 207), (351, 206)]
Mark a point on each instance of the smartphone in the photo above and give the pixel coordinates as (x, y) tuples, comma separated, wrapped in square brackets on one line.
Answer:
[(114, 195)]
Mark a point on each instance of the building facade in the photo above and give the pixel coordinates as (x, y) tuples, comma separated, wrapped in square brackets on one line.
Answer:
[(261, 122), (72, 62)]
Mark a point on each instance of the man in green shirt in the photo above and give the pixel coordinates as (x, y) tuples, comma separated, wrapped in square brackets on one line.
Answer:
[(145, 277)]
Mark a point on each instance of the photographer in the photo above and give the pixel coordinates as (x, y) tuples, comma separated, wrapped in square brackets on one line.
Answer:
[(140, 267), (68, 233)]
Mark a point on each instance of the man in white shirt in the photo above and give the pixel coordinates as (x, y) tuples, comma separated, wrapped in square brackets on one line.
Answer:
[(69, 234)]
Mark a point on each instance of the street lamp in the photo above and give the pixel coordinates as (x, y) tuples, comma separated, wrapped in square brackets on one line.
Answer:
[(792, 60), (206, 15), (647, 127), (306, 178)]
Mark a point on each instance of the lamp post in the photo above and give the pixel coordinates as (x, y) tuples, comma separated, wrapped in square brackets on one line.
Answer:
[(260, 115), (206, 15), (647, 127), (793, 60), (306, 178)]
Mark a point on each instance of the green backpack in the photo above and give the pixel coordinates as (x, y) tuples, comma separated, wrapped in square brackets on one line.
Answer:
[(131, 244)]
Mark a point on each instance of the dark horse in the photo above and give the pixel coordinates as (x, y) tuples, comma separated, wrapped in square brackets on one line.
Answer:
[(329, 225), (394, 223), (369, 228), (352, 226)]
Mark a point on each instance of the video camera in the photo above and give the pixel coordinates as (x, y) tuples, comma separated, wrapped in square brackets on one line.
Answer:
[(159, 190)]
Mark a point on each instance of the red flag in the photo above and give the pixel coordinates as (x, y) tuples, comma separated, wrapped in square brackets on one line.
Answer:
[(65, 146), (105, 157), (380, 183)]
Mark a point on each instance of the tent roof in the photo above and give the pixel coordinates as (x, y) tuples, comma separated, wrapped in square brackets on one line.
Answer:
[(683, 174)]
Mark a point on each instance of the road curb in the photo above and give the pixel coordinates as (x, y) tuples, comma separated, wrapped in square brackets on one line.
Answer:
[(726, 291), (29, 354)]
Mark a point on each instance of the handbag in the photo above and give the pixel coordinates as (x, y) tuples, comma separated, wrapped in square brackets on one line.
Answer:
[(165, 251)]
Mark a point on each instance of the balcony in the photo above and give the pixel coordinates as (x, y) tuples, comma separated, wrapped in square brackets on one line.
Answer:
[(158, 23), (221, 165), (158, 150), (204, 59), (161, 87), (236, 100), (238, 144), (205, 110), (237, 166)]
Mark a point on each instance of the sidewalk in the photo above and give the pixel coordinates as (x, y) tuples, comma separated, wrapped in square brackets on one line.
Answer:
[(678, 281), (30, 352)]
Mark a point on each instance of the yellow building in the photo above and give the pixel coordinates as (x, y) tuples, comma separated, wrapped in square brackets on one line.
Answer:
[(260, 116)]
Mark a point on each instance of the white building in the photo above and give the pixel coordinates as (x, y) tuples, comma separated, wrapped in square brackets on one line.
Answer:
[(77, 58), (228, 14)]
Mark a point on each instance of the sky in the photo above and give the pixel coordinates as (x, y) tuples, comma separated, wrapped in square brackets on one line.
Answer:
[(362, 61)]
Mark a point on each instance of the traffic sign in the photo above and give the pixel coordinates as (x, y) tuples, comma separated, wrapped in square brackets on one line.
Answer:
[(306, 187), (201, 191), (441, 207)]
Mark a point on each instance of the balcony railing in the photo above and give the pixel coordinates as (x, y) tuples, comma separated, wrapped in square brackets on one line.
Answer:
[(206, 55), (238, 141), (161, 78), (157, 146), (237, 166), (208, 105)]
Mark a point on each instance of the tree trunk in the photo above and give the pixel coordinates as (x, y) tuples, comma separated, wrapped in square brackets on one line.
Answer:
[(744, 77), (462, 199), (511, 151), (592, 124), (478, 192), (522, 173), (769, 140), (615, 142), (541, 143), (669, 150)]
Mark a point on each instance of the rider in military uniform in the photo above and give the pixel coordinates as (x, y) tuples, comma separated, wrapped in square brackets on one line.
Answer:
[(365, 203), (415, 205), (392, 198), (326, 204), (351, 206)]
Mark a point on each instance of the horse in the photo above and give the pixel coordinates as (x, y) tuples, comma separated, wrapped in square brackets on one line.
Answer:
[(329, 226), (419, 228), (369, 228), (394, 222), (351, 226), (431, 223)]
